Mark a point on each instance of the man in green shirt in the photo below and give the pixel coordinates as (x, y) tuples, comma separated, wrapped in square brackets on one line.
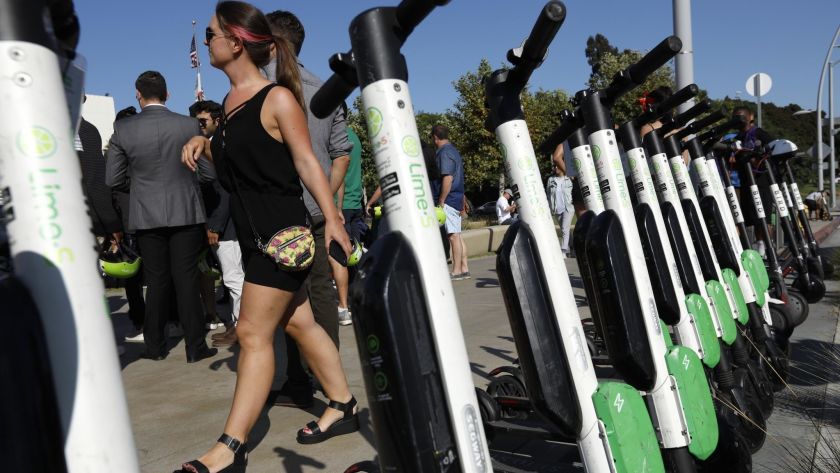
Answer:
[(349, 200)]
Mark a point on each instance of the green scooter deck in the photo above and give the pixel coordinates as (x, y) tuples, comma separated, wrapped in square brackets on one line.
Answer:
[(717, 294), (696, 397), (731, 280), (630, 435), (754, 266), (698, 310)]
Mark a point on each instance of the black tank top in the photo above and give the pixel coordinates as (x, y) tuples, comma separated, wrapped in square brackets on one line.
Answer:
[(265, 174)]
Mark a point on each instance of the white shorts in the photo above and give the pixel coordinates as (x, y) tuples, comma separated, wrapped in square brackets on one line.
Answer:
[(453, 219)]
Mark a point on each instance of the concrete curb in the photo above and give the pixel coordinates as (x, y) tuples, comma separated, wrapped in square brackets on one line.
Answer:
[(481, 241)]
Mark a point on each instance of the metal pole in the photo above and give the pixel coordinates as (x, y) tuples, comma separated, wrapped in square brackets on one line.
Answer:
[(831, 157), (757, 86), (818, 147), (684, 62)]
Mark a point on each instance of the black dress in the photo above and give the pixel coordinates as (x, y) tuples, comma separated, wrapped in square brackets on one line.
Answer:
[(268, 184)]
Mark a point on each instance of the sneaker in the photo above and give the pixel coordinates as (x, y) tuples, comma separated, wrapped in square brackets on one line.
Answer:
[(344, 317), (466, 275), (135, 336), (174, 331), (457, 277)]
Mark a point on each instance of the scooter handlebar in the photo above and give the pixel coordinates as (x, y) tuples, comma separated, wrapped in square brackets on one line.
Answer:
[(685, 117), (695, 127), (533, 50), (682, 95), (715, 134), (336, 89), (411, 12), (569, 123), (636, 73)]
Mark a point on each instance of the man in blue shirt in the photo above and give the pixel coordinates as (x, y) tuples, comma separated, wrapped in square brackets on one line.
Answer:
[(451, 197)]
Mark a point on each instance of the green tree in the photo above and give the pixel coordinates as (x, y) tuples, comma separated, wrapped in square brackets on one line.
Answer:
[(596, 46), (478, 148), (610, 64)]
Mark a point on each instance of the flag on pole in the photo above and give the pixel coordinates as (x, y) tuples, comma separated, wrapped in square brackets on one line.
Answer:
[(193, 54)]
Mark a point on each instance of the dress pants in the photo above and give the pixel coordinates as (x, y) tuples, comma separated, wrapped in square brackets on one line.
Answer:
[(170, 261), (322, 297)]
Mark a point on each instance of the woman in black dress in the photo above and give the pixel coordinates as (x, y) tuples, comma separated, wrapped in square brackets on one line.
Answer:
[(263, 152)]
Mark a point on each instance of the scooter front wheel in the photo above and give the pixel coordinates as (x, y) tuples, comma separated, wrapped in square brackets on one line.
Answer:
[(797, 307), (732, 453)]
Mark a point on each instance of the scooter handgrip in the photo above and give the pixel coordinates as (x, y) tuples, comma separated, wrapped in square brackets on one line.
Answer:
[(411, 12), (544, 30), (685, 117), (656, 58), (667, 105), (533, 50), (330, 96)]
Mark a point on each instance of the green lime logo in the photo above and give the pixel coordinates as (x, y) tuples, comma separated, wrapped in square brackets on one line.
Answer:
[(676, 169), (596, 152), (410, 146), (374, 121), (380, 381), (576, 163), (632, 163), (656, 167), (373, 344), (36, 142)]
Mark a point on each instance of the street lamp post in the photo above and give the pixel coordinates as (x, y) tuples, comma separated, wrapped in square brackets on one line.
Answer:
[(819, 111), (831, 163)]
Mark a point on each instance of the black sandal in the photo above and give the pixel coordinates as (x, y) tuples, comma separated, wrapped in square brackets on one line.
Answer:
[(346, 425), (240, 458)]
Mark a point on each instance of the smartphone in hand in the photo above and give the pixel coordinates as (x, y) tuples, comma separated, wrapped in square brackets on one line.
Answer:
[(337, 253)]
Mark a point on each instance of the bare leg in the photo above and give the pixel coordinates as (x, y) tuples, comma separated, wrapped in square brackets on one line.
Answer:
[(322, 357), (260, 313), (465, 268), (457, 249), (341, 277)]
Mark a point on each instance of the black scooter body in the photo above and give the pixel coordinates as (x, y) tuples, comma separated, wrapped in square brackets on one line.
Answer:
[(399, 361), (660, 275), (618, 303), (535, 331)]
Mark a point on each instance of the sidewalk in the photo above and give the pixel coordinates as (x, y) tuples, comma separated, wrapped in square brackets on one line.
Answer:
[(178, 410)]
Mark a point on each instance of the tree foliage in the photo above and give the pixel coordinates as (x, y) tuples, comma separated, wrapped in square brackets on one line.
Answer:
[(596, 46)]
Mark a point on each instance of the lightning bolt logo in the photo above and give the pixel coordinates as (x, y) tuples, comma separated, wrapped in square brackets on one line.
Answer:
[(619, 402)]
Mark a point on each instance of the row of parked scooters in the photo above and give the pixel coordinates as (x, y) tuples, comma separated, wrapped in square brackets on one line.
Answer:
[(691, 324)]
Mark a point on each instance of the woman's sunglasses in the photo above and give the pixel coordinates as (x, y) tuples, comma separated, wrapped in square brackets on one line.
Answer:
[(210, 34)]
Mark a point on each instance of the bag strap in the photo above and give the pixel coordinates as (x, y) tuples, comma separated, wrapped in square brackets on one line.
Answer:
[(232, 170)]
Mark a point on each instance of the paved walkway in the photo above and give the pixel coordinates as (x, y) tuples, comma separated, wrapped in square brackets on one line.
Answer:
[(178, 410)]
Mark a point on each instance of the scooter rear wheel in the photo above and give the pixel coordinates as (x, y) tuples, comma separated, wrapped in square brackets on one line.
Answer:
[(732, 453), (798, 307)]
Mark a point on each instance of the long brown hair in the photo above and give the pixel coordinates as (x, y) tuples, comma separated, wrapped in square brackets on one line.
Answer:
[(246, 22)]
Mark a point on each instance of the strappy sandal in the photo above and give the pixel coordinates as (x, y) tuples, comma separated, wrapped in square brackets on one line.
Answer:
[(240, 458), (346, 425)]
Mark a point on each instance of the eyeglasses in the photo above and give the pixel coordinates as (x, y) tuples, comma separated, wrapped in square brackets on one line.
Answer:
[(202, 122), (210, 34)]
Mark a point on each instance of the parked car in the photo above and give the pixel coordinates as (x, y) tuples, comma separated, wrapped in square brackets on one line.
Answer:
[(487, 209)]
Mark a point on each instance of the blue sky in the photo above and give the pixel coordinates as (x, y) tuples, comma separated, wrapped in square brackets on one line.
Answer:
[(732, 39)]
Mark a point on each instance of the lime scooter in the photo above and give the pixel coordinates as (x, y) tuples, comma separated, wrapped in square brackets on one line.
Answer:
[(787, 307), (711, 293), (722, 285), (607, 420), (744, 268), (807, 281), (417, 375), (779, 152), (613, 267), (782, 152), (62, 394)]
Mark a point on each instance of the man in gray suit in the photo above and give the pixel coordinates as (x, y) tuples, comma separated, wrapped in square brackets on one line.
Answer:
[(165, 211)]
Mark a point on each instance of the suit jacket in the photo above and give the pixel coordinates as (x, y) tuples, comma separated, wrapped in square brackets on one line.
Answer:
[(100, 204), (163, 192)]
